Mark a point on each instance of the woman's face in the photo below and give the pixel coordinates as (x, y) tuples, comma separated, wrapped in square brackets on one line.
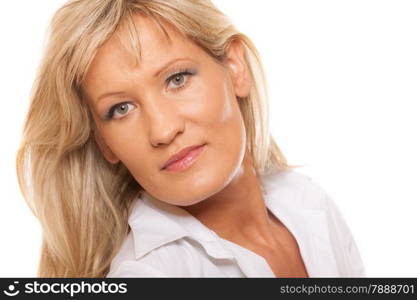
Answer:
[(177, 97)]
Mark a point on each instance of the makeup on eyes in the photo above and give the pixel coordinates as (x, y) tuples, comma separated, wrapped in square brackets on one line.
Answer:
[(109, 115), (179, 72)]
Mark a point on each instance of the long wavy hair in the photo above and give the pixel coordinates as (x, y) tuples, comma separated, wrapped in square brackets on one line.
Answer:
[(81, 200)]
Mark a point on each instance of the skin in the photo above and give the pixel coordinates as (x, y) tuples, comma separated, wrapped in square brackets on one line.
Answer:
[(221, 188)]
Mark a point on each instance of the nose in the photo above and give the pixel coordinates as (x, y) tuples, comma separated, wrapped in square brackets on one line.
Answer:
[(165, 122)]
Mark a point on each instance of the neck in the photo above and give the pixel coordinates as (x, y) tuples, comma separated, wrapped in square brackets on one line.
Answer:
[(238, 212)]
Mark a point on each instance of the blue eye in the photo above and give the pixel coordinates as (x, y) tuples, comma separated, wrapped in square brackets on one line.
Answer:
[(119, 110), (179, 79)]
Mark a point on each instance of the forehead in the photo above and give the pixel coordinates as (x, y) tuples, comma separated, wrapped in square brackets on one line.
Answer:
[(156, 47)]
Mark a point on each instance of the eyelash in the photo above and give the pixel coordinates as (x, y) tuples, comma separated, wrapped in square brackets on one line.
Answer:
[(182, 72)]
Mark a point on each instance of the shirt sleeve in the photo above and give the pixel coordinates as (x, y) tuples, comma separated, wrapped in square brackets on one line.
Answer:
[(135, 269), (346, 251)]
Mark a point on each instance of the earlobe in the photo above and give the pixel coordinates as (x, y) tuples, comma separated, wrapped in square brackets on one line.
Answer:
[(105, 150), (237, 65)]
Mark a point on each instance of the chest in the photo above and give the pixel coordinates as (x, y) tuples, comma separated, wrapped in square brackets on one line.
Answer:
[(284, 258), (286, 262)]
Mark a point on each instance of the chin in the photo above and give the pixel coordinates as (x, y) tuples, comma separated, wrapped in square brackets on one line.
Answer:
[(188, 203), (220, 180), (204, 183)]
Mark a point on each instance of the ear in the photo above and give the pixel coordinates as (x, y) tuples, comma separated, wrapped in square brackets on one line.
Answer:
[(238, 68), (105, 150)]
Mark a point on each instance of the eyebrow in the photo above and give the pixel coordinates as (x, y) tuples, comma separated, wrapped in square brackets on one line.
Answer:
[(156, 74)]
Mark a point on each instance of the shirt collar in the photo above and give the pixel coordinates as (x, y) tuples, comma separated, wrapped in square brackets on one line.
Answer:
[(294, 202), (302, 206), (155, 223)]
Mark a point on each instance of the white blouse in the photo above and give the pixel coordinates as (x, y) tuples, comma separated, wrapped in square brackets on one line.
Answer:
[(167, 241)]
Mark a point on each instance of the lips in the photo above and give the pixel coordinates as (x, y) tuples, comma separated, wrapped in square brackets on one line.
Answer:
[(180, 155)]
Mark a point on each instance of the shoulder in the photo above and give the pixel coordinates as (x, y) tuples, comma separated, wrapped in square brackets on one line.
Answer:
[(304, 196), (295, 189)]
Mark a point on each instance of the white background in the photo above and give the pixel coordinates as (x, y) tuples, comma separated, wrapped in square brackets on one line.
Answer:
[(343, 93)]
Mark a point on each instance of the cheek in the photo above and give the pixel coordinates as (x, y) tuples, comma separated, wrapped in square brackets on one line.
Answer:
[(129, 144), (140, 160), (225, 117), (229, 132), (214, 105)]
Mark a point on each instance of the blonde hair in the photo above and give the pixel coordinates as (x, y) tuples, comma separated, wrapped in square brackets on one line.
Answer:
[(81, 200)]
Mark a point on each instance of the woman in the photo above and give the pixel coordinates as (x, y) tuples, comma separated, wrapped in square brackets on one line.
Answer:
[(149, 155)]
